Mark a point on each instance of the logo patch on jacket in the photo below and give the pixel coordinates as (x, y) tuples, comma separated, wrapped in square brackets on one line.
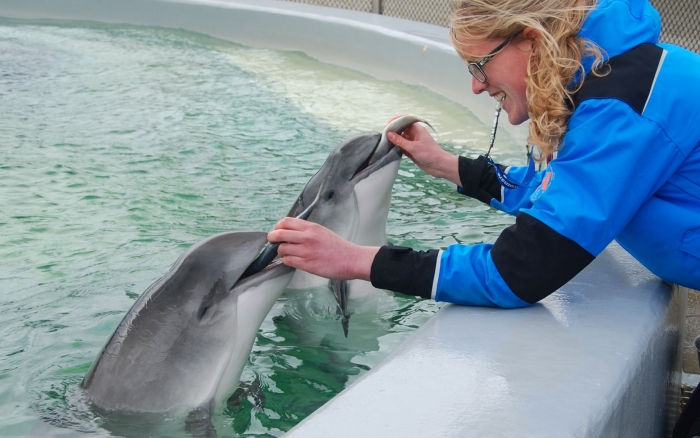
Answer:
[(544, 185)]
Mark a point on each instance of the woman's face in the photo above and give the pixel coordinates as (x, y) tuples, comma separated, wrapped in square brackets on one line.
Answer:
[(505, 72)]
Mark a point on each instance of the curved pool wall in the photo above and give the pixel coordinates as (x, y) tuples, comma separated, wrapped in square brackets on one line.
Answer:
[(385, 47), (601, 357)]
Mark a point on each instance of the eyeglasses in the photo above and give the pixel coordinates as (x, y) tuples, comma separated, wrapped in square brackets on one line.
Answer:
[(475, 68)]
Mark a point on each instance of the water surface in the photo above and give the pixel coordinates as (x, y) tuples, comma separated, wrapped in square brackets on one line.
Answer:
[(122, 146)]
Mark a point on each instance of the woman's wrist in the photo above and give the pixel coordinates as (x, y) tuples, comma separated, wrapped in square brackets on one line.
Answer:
[(449, 168), (361, 262)]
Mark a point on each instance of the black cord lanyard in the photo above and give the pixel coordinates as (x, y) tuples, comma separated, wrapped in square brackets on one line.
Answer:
[(503, 178)]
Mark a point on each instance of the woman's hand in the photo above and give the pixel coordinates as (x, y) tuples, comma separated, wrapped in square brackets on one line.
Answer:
[(313, 248), (418, 145)]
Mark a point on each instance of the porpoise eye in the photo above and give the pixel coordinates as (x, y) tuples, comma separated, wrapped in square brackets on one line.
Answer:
[(329, 196)]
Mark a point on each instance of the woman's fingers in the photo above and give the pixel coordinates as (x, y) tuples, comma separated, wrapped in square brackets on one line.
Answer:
[(292, 223), (294, 261), (298, 237), (405, 142), (288, 229), (313, 248)]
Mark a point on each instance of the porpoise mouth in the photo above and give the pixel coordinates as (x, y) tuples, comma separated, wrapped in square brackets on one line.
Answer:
[(376, 155), (384, 147)]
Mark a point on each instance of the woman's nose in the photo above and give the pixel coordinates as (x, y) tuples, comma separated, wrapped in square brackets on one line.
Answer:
[(478, 87)]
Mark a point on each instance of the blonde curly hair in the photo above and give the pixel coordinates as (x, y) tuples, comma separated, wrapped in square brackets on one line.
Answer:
[(554, 72)]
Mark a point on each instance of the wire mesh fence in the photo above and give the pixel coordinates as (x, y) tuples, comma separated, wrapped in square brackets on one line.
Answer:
[(680, 22), (355, 5), (679, 18), (428, 11)]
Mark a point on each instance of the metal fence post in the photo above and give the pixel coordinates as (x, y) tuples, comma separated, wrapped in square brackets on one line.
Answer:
[(377, 7)]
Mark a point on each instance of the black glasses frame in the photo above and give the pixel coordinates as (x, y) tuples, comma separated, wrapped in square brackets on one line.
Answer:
[(476, 67)]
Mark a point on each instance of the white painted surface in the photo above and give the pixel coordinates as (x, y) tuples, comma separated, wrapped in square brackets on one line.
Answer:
[(601, 357)]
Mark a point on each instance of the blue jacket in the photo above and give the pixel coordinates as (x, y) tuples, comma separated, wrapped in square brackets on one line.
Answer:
[(628, 170)]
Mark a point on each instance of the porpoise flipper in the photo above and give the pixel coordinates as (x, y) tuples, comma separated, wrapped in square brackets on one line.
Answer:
[(244, 390), (199, 424), (340, 290)]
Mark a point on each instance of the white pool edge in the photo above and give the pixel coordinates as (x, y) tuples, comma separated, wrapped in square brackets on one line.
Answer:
[(601, 357)]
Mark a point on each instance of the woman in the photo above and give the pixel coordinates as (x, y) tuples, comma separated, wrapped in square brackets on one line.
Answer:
[(626, 134)]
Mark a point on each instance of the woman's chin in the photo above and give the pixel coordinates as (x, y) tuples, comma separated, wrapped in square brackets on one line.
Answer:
[(515, 118)]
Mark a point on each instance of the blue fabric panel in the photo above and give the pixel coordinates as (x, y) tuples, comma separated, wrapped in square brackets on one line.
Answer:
[(468, 276), (620, 25), (691, 242), (674, 102), (665, 237)]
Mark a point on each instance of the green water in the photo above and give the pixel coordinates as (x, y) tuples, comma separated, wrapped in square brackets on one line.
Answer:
[(122, 146)]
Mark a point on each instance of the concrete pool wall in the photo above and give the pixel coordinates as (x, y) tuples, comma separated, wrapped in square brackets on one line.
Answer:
[(601, 357)]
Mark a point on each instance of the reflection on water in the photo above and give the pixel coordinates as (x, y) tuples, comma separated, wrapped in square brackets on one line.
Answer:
[(123, 146)]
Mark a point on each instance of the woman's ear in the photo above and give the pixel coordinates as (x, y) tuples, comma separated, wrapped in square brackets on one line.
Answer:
[(531, 33), (530, 39)]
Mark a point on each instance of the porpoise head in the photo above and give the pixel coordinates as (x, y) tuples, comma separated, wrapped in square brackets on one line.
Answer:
[(185, 341), (354, 195), (354, 186)]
